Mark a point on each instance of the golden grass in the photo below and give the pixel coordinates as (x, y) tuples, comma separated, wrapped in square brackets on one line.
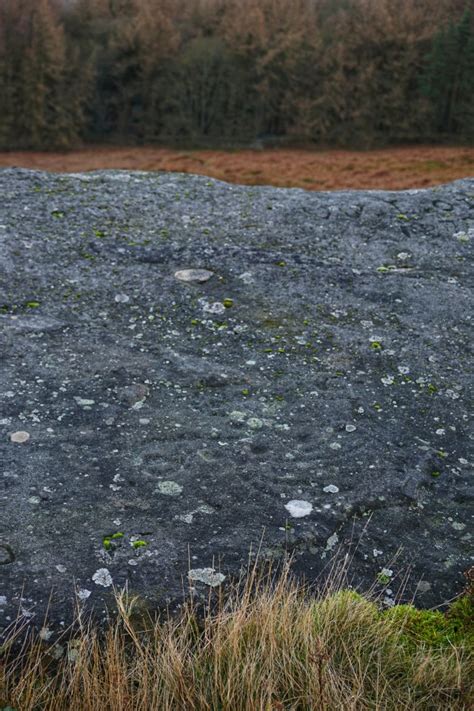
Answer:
[(267, 645)]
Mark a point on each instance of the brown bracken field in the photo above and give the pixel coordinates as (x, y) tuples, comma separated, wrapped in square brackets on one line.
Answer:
[(388, 168)]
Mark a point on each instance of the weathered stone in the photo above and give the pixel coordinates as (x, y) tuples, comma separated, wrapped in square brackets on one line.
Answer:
[(194, 275), (186, 429), (20, 437)]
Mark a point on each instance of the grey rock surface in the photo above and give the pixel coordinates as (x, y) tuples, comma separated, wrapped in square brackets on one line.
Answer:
[(313, 393)]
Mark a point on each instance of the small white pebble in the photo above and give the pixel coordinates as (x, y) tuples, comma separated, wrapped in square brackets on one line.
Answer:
[(19, 437)]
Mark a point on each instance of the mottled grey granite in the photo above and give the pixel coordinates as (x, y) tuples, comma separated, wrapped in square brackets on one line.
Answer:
[(173, 424)]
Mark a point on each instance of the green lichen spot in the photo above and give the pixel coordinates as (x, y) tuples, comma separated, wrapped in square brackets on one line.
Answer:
[(32, 304), (376, 345), (228, 303)]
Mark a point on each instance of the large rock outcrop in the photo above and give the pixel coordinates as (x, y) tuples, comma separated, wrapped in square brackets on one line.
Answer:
[(310, 391)]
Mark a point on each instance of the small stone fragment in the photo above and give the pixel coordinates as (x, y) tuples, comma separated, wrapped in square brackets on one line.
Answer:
[(20, 437), (297, 508), (331, 489), (193, 275), (208, 576), (122, 298)]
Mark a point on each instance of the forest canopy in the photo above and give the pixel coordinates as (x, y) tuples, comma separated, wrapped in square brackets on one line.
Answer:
[(332, 72)]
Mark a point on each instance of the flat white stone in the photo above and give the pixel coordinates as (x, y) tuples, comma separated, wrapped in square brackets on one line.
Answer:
[(19, 437), (331, 489), (193, 275), (297, 508)]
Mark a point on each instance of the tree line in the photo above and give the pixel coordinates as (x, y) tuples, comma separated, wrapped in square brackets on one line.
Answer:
[(333, 72)]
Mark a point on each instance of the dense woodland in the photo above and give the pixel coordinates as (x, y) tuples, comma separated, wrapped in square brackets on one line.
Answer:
[(332, 72)]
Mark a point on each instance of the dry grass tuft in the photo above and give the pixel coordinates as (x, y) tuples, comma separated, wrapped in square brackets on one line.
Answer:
[(266, 645)]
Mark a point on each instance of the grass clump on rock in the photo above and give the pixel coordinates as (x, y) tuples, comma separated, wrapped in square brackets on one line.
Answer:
[(266, 645)]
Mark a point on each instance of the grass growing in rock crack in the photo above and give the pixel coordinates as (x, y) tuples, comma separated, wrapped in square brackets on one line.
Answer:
[(267, 644)]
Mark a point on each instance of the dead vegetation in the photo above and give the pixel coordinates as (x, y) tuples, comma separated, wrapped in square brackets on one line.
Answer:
[(266, 645), (385, 169)]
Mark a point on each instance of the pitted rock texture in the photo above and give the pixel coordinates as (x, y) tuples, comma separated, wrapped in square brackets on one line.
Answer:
[(313, 393)]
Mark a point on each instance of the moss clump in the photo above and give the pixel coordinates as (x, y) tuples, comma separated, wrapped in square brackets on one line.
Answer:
[(109, 541), (228, 303), (139, 544), (433, 628)]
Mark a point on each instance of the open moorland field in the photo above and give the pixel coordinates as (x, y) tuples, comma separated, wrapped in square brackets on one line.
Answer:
[(390, 168)]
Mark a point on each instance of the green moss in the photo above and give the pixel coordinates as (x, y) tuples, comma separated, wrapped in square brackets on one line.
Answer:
[(433, 628), (435, 473), (228, 303), (460, 617), (386, 268), (109, 541), (32, 304), (139, 544), (403, 217), (376, 345)]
